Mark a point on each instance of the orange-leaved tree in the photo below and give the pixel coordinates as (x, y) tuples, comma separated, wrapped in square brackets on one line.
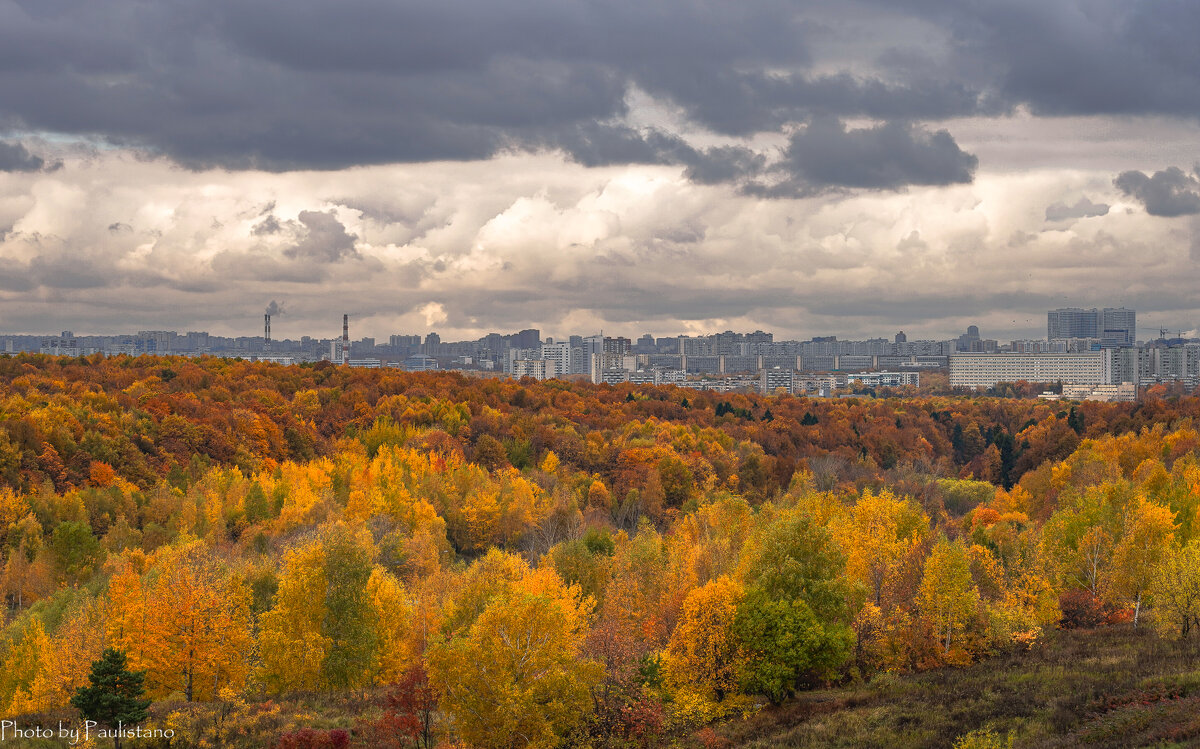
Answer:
[(185, 622)]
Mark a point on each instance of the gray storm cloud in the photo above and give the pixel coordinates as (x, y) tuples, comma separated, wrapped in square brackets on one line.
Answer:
[(310, 84), (892, 155), (15, 158), (324, 240), (1083, 208), (1170, 192)]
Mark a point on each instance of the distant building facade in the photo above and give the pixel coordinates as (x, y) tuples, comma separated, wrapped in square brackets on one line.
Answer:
[(420, 363), (535, 368), (64, 344), (987, 370), (1113, 326), (777, 380), (558, 356), (884, 379)]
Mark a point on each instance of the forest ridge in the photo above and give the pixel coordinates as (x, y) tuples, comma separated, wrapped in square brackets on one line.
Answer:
[(502, 563)]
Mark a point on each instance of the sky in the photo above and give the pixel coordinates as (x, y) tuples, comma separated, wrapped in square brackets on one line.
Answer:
[(663, 166)]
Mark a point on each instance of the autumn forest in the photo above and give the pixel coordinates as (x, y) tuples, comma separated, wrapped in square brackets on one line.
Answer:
[(317, 556)]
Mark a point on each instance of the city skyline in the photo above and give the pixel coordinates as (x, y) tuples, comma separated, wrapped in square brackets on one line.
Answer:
[(1151, 332), (274, 310), (467, 166), (296, 336), (1094, 351), (1073, 329)]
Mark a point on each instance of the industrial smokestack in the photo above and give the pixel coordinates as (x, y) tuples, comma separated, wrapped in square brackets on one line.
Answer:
[(345, 339), (274, 308)]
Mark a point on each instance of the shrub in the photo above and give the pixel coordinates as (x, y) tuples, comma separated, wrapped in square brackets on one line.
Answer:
[(983, 739), (1081, 609), (310, 738)]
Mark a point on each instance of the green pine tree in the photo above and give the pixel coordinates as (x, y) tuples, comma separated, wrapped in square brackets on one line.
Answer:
[(113, 696), (1076, 421)]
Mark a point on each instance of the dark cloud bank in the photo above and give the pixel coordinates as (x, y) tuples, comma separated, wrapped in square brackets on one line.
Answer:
[(889, 156), (311, 84)]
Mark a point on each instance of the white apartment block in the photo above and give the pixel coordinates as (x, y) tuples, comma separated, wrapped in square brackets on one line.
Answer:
[(642, 377), (520, 354), (884, 379), (558, 358), (728, 384), (613, 376), (776, 380), (670, 376), (535, 368), (821, 386), (1151, 364), (1126, 392), (601, 363), (988, 370)]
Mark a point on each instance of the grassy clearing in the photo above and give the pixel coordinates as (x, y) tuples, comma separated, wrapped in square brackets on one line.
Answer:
[(1110, 687)]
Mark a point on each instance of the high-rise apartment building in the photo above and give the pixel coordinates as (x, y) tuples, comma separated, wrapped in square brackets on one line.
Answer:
[(399, 341), (1118, 326), (528, 338), (618, 346), (558, 358), (155, 341), (1071, 322), (64, 345), (1113, 326)]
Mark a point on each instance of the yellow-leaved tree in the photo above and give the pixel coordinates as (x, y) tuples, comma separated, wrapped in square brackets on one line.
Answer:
[(21, 664), (510, 674), (948, 597), (876, 534), (291, 642), (339, 621), (65, 658), (702, 660), (1175, 587), (393, 623), (1149, 532)]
